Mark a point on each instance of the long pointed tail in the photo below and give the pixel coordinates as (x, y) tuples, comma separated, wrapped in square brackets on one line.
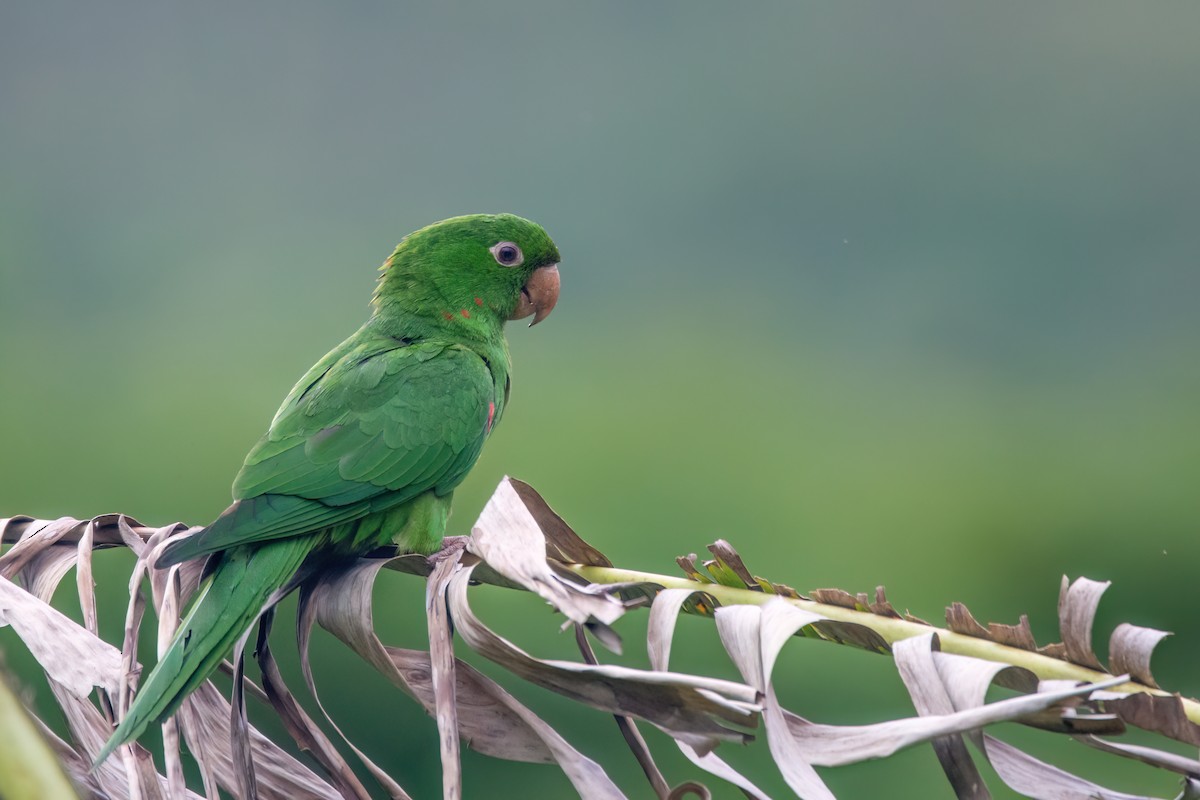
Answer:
[(226, 607)]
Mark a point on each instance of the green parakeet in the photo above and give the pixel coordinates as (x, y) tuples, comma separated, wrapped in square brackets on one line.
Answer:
[(370, 444)]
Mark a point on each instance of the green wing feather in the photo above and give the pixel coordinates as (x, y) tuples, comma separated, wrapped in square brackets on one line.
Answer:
[(226, 607), (374, 424)]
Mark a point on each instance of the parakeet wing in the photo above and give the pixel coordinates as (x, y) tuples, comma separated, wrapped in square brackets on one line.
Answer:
[(365, 430)]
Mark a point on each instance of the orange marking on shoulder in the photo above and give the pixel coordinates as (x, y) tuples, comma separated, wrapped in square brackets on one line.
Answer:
[(479, 301), (491, 415), (466, 314), (447, 315)]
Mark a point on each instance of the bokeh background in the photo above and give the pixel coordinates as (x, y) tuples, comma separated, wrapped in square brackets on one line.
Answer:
[(882, 293)]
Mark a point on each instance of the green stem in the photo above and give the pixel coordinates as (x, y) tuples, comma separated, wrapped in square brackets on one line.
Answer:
[(891, 629)]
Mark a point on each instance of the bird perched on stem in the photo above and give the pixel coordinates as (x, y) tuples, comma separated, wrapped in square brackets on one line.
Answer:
[(367, 449)]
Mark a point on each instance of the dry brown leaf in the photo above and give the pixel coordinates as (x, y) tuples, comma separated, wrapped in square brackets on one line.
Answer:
[(43, 562), (938, 681), (37, 537), (490, 719), (205, 718), (752, 637), (849, 633), (1077, 603), (687, 707), (1147, 755), (835, 597), (508, 538), (960, 620), (688, 565), (660, 631), (342, 605), (442, 679), (631, 734), (303, 729), (914, 657), (1130, 648), (1163, 714), (836, 745), (562, 543), (68, 653), (881, 606), (341, 602), (1019, 635), (1034, 778)]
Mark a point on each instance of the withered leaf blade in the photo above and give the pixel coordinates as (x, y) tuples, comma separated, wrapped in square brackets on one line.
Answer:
[(881, 606), (343, 606), (1077, 604), (1034, 778), (914, 659), (517, 733), (835, 597), (750, 635), (35, 538), (341, 602), (44, 571), (102, 665), (960, 620), (850, 633), (687, 707), (960, 682), (168, 614), (89, 730), (247, 783), (441, 662), (688, 565), (106, 534), (1019, 635), (689, 788), (490, 720), (1163, 714), (660, 628), (508, 538), (1147, 755), (306, 733), (1130, 648), (204, 719), (954, 687), (66, 651), (629, 731), (562, 543), (660, 632)]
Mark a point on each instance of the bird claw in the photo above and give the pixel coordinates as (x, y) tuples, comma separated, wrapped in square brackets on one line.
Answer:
[(451, 547)]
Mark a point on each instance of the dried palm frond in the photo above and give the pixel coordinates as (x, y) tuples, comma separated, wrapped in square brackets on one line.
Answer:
[(519, 542)]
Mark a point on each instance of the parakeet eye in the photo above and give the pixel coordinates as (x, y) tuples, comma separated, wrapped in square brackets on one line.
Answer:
[(507, 254)]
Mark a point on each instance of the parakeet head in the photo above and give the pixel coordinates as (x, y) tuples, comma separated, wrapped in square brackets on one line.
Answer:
[(475, 271)]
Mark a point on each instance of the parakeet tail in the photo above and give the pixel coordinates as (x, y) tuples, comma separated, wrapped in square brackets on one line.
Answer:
[(227, 605)]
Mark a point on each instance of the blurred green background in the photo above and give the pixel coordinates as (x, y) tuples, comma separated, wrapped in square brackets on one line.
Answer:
[(882, 293)]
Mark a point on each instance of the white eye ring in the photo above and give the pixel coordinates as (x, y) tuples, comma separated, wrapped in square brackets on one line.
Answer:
[(507, 254)]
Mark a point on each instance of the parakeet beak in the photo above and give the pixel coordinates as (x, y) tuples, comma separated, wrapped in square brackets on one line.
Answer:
[(538, 295)]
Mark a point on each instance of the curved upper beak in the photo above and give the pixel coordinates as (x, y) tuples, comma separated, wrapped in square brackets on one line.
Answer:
[(538, 295)]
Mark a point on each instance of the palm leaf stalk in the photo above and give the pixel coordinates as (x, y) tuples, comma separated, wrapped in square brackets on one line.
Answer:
[(519, 542)]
